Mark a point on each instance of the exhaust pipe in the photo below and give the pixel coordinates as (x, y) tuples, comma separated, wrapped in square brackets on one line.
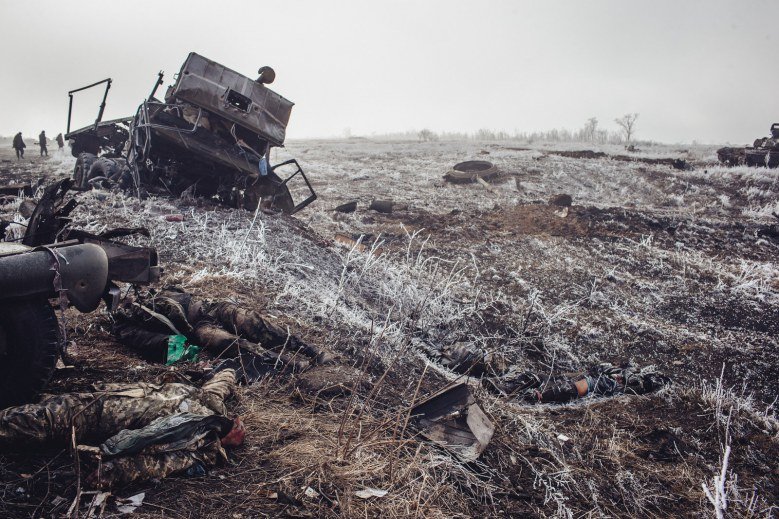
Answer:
[(82, 269)]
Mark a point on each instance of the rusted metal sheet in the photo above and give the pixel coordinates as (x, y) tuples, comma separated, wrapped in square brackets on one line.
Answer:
[(128, 263), (452, 419), (211, 138), (235, 97)]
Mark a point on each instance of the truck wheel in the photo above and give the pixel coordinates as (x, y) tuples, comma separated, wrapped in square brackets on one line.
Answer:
[(29, 342), (81, 171), (103, 167)]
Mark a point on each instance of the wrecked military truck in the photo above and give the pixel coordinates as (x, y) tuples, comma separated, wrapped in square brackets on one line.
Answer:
[(764, 152), (211, 136), (54, 261)]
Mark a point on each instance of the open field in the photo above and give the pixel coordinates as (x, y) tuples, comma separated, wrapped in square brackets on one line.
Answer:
[(654, 265)]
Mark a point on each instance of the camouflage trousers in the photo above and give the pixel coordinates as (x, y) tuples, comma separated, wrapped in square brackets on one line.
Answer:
[(115, 412)]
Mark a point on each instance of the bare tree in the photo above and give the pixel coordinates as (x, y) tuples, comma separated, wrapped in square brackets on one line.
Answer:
[(627, 124), (590, 129), (427, 135)]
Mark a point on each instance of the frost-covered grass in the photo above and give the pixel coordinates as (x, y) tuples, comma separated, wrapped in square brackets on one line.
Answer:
[(654, 265)]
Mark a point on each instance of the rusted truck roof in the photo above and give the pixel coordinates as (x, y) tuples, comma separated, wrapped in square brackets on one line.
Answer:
[(233, 96)]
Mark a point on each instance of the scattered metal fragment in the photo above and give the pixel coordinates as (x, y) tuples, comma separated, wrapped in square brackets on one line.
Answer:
[(731, 156), (16, 189), (382, 206), (348, 207), (467, 172), (561, 200), (452, 419)]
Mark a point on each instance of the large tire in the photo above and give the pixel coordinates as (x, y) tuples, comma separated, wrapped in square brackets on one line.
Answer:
[(468, 171), (81, 171), (103, 167), (29, 345)]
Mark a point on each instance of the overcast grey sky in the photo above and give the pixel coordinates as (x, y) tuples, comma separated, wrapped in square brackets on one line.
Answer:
[(703, 70)]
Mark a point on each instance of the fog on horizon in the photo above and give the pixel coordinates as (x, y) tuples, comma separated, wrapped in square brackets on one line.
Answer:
[(697, 70)]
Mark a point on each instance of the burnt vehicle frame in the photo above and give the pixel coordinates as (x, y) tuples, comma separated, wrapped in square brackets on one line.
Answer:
[(53, 261), (210, 136), (764, 152)]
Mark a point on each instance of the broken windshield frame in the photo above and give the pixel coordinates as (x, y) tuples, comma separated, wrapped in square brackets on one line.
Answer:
[(107, 81)]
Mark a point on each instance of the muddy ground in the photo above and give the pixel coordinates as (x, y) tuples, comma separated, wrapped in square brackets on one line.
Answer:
[(654, 265)]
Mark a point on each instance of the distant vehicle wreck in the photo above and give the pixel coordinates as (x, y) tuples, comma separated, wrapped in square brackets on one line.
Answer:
[(764, 152), (210, 137)]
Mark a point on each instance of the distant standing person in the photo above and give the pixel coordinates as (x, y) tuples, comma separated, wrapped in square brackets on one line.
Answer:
[(42, 143), (60, 142), (19, 145)]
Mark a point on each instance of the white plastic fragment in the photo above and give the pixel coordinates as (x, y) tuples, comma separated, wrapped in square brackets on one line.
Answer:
[(128, 505), (369, 492)]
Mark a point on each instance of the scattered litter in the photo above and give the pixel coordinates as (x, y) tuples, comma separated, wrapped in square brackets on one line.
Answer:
[(129, 504), (174, 218), (562, 437), (485, 185), (58, 500), (97, 504), (198, 470), (452, 419), (179, 349), (310, 492), (369, 492)]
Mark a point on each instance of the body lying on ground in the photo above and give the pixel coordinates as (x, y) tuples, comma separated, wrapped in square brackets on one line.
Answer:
[(223, 328), (604, 379), (143, 430)]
